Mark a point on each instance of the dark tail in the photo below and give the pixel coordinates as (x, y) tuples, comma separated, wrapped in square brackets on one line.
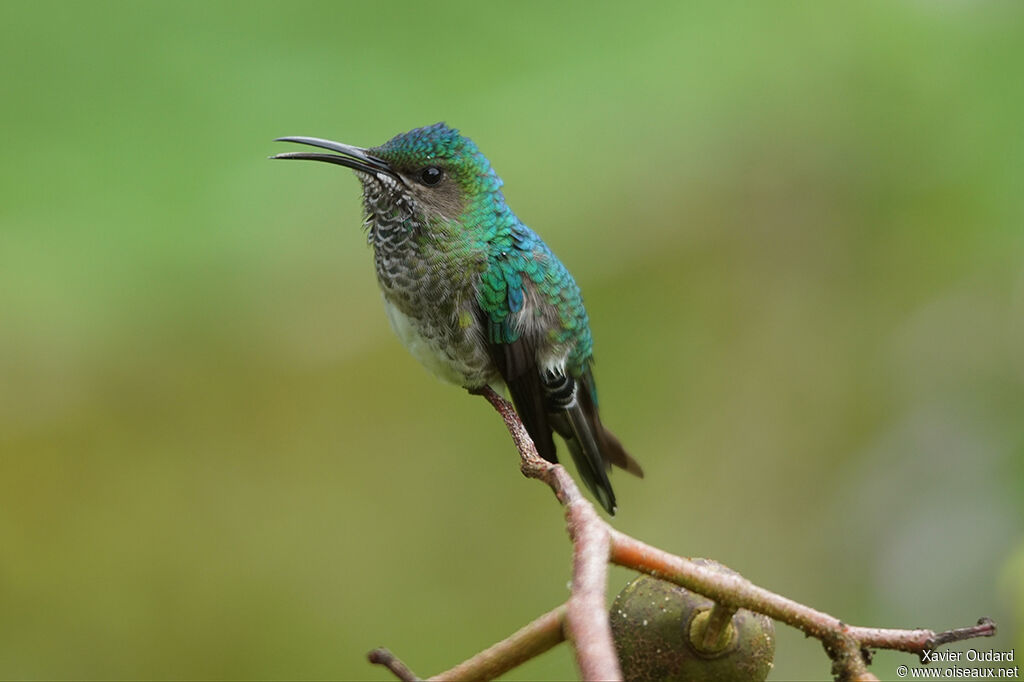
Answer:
[(572, 411), (546, 401)]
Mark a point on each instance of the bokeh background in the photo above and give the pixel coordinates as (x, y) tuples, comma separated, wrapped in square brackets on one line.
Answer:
[(798, 228)]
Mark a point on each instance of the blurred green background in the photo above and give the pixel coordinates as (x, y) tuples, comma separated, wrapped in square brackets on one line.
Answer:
[(798, 227)]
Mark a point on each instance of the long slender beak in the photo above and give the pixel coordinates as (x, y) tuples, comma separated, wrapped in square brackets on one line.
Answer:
[(355, 158)]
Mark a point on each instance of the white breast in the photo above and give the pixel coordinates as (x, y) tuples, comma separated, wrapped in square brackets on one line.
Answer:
[(471, 369)]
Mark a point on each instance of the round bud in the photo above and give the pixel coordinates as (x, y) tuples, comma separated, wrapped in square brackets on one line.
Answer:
[(661, 632)]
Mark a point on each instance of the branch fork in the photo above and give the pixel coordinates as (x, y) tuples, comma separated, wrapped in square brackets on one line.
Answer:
[(583, 619)]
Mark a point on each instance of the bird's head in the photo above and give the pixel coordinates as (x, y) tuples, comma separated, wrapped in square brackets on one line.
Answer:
[(422, 176)]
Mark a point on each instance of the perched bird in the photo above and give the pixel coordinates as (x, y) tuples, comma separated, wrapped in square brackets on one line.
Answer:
[(474, 294)]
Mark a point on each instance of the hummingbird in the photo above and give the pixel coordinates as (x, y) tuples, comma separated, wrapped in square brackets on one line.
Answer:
[(474, 294)]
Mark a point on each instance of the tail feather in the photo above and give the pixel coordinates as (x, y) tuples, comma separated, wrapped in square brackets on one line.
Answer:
[(573, 413), (608, 444), (547, 401), (587, 455), (616, 454)]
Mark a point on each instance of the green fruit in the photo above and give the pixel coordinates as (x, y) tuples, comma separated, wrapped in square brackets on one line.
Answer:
[(660, 631)]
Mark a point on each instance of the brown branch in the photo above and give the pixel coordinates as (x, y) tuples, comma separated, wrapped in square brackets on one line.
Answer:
[(587, 625), (738, 592), (527, 643), (730, 590), (587, 619), (387, 659), (584, 618)]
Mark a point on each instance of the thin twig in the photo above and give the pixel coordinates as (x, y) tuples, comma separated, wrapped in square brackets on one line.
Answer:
[(387, 659), (528, 642), (986, 627)]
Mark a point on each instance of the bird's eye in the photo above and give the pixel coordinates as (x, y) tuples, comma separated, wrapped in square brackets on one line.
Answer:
[(431, 175)]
